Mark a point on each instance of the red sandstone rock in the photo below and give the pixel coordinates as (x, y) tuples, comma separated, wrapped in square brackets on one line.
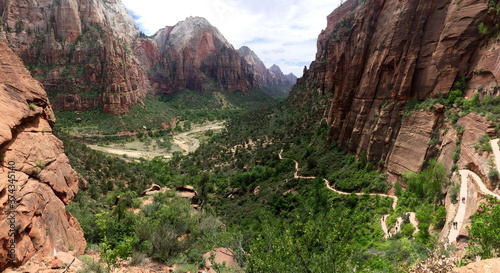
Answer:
[(45, 181), (79, 49), (413, 138), (375, 55)]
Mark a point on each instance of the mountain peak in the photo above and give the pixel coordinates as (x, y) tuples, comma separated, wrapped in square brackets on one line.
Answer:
[(193, 28), (276, 69)]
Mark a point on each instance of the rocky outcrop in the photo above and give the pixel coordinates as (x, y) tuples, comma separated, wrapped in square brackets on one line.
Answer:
[(474, 126), (374, 56), (42, 182), (81, 50), (414, 136), (490, 265)]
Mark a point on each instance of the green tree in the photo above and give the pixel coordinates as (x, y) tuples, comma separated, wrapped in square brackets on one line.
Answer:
[(484, 232)]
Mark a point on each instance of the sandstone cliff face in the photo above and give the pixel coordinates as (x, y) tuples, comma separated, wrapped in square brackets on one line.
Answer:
[(375, 55), (79, 49), (45, 182), (195, 55)]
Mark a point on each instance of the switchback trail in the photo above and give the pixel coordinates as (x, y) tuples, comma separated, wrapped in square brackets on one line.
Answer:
[(459, 218), (383, 220)]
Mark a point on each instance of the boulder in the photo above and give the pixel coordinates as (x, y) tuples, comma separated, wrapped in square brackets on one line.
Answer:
[(153, 189)]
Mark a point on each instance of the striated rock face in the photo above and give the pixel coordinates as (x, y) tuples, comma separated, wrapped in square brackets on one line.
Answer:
[(195, 55), (45, 182), (81, 50), (374, 56), (474, 127), (413, 138)]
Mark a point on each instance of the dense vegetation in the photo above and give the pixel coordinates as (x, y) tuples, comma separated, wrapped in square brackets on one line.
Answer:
[(194, 107), (252, 201)]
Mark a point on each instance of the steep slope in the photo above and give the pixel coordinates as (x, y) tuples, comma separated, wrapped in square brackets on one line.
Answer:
[(277, 76), (263, 76), (79, 49), (193, 54), (374, 56), (36, 178)]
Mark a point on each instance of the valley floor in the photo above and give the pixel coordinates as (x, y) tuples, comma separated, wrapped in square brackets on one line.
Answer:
[(184, 142)]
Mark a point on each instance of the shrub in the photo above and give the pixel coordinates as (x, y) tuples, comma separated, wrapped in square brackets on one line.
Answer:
[(493, 175), (454, 191), (482, 28), (483, 234), (408, 230), (454, 95), (483, 144)]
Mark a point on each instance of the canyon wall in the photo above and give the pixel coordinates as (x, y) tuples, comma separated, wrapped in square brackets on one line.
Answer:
[(376, 55), (36, 180), (81, 50)]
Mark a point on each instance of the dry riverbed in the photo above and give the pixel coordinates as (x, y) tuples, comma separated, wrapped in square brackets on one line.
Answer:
[(185, 142)]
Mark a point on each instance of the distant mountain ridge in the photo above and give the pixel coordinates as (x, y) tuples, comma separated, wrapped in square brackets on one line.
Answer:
[(90, 54), (195, 55), (265, 77)]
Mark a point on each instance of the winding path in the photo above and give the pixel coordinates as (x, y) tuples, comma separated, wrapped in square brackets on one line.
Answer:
[(383, 219), (460, 216), (496, 150)]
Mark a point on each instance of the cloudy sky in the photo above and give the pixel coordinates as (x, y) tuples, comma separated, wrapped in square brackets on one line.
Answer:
[(281, 32)]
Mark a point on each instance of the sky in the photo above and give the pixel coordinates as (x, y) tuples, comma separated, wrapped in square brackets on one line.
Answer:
[(282, 32)]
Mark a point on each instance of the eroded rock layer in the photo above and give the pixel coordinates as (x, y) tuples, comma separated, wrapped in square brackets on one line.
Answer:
[(376, 55), (44, 182), (193, 54), (81, 50)]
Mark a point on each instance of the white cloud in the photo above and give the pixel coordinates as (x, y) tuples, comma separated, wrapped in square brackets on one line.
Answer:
[(281, 32)]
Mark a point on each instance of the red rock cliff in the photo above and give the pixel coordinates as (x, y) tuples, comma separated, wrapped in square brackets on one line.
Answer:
[(81, 50), (375, 55), (44, 180), (195, 55)]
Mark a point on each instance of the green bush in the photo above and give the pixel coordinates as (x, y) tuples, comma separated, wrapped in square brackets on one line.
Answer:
[(482, 29), (493, 175), (483, 144), (408, 230), (483, 234)]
